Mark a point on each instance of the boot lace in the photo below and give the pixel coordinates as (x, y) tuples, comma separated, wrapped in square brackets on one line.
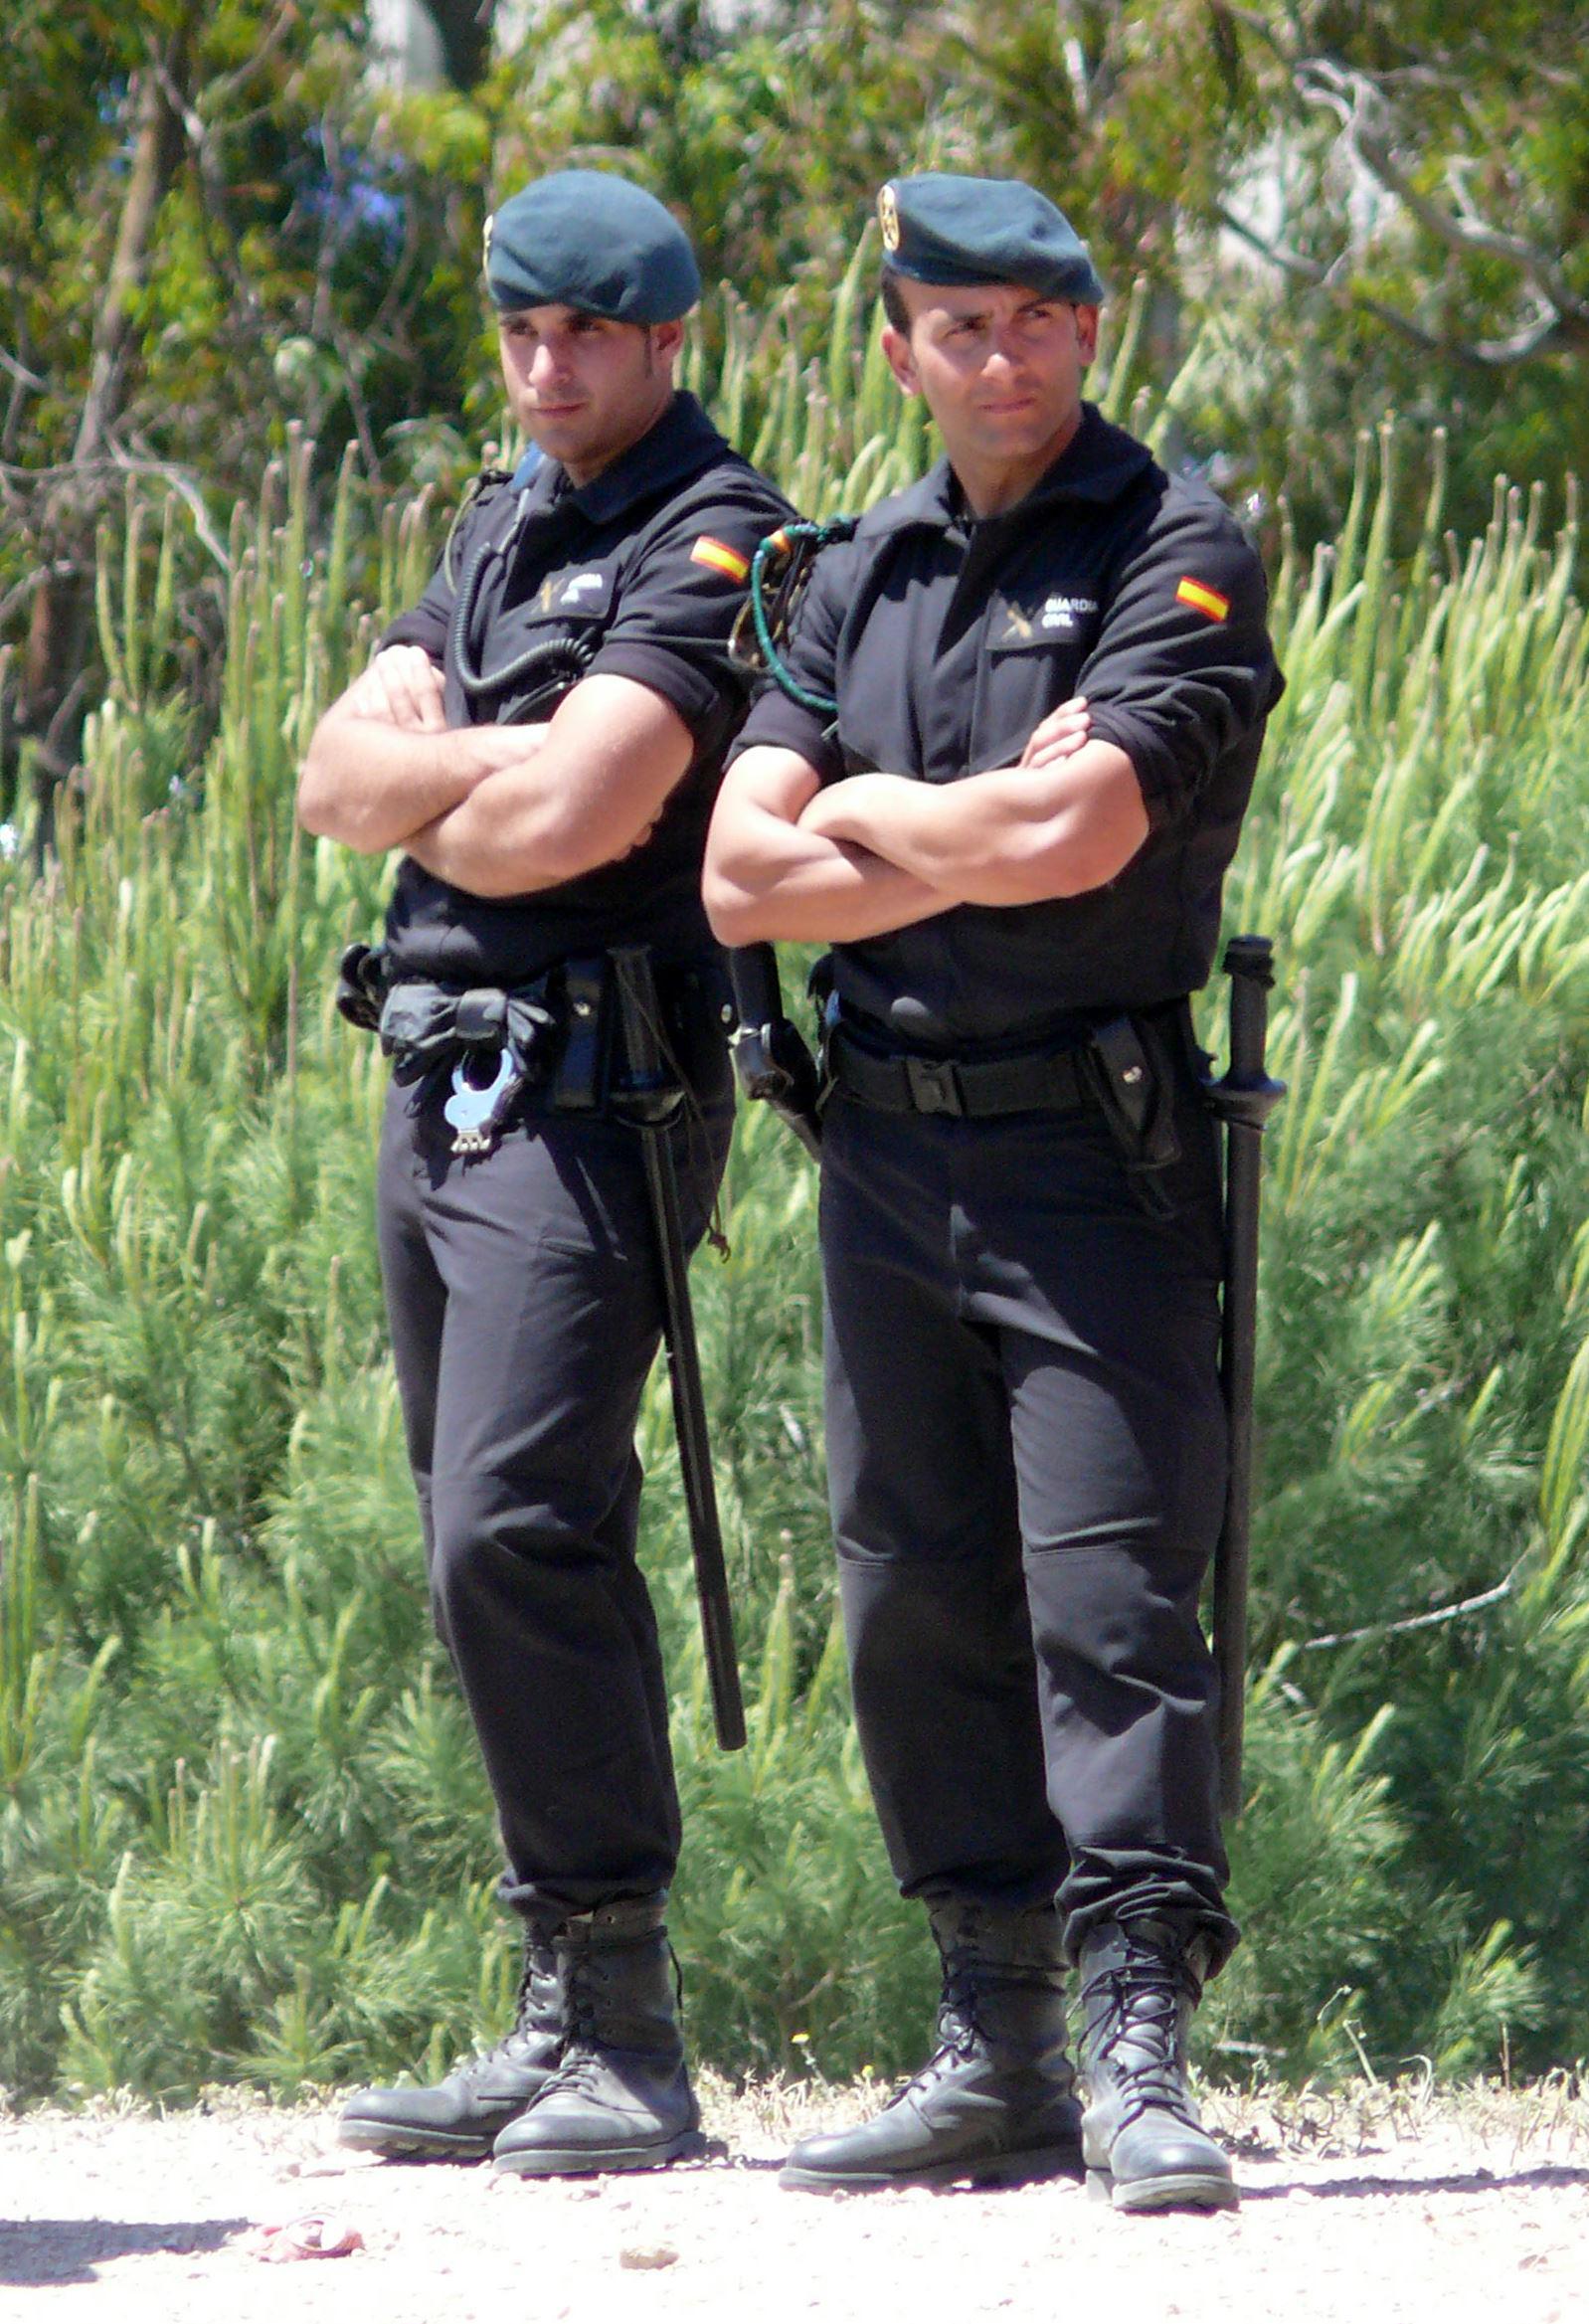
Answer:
[(586, 2061), (1134, 2025), (579, 2066), (523, 2029), (959, 2035)]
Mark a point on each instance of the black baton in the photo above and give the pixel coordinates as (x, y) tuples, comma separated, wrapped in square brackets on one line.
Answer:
[(1242, 1100), (652, 1097), (771, 1060)]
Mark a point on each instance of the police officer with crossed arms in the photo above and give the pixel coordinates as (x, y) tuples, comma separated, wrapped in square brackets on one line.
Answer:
[(1020, 1207), (540, 739)]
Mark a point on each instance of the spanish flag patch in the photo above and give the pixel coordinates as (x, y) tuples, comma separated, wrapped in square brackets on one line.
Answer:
[(721, 557), (1207, 600)]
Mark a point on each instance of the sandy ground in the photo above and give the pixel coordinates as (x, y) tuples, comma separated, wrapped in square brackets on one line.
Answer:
[(1379, 2203)]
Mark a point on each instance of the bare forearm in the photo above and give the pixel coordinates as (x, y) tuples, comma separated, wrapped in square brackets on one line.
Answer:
[(804, 890), (1013, 836), (590, 793), (766, 877), (373, 786), (501, 839)]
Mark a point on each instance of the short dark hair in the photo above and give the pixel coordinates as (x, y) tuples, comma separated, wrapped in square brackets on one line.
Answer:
[(894, 307)]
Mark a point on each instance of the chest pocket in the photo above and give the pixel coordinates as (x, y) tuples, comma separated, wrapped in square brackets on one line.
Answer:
[(1036, 642), (1043, 622), (579, 595), (526, 655)]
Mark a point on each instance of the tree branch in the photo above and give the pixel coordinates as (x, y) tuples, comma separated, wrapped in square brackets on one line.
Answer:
[(28, 586), (1560, 319), (1366, 122), (1503, 1589), (463, 28), (157, 144), (1334, 280), (20, 370), (185, 488), (93, 474), (1548, 332)]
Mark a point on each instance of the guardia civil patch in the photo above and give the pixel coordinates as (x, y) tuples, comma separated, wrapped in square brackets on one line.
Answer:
[(720, 557), (1207, 600)]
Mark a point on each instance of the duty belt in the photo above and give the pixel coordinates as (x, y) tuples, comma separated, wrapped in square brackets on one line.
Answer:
[(497, 1041), (1048, 1081), (1121, 1068), (553, 1034)]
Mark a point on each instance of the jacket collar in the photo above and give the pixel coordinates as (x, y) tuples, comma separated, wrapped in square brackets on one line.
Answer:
[(677, 447), (1099, 464)]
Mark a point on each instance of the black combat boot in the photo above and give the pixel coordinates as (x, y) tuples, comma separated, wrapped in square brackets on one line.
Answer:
[(461, 2116), (1145, 2146), (621, 2099), (995, 2103)]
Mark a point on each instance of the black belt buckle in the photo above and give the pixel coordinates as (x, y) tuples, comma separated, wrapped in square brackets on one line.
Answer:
[(933, 1085)]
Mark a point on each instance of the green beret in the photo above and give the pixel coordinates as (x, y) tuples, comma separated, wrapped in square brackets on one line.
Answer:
[(951, 230), (583, 239)]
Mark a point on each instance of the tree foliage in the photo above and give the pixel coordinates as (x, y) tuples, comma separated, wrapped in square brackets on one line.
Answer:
[(210, 232), (221, 221), (1422, 209)]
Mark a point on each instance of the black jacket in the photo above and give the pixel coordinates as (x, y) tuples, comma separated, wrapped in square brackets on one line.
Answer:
[(945, 641), (644, 566)]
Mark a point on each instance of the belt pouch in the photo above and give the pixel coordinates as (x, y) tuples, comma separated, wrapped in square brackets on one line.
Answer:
[(1133, 1086), (580, 1082)]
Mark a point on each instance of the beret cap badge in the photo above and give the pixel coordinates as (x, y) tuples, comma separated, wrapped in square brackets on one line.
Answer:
[(888, 219), (944, 229)]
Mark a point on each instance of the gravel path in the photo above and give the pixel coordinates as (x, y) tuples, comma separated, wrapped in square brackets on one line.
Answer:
[(1382, 2205)]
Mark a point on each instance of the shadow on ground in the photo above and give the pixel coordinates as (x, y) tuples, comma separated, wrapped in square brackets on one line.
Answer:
[(38, 2251), (1479, 2182)]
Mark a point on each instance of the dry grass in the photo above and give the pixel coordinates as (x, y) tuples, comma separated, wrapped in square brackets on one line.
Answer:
[(1352, 2118), (1359, 2118), (1362, 2116)]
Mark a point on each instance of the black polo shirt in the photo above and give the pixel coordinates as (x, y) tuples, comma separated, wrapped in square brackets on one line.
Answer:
[(947, 639), (646, 565)]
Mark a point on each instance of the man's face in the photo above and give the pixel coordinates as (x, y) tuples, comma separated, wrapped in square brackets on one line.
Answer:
[(583, 388), (1000, 367)]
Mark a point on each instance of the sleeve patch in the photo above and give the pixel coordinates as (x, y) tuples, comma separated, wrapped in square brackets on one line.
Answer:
[(720, 557), (1207, 600)]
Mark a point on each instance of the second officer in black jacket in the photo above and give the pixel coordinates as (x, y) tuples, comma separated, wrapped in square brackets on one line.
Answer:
[(1020, 1215)]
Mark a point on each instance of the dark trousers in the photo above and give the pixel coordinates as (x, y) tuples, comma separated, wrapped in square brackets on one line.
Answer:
[(1027, 1452), (525, 1313)]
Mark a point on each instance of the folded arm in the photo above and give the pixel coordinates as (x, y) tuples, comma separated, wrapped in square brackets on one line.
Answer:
[(383, 763), (1013, 836), (497, 810), (768, 876), (589, 792), (789, 858)]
